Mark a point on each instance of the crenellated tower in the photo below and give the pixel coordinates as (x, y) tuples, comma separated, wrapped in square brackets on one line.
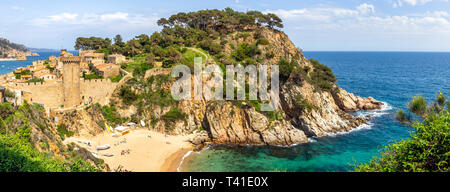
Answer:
[(71, 81)]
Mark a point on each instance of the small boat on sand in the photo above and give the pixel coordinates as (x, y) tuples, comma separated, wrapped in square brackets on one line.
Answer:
[(103, 147)]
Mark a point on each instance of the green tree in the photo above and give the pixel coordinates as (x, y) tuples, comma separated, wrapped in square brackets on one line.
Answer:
[(118, 41)]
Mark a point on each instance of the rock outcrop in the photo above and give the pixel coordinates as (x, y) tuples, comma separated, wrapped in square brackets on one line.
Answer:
[(321, 113), (230, 124), (349, 102)]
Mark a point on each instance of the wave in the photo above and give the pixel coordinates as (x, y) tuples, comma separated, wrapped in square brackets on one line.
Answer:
[(385, 107), (376, 113), (182, 160), (373, 114), (189, 153), (311, 140), (361, 127)]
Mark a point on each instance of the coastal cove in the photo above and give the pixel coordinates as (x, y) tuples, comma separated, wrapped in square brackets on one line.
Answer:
[(391, 77)]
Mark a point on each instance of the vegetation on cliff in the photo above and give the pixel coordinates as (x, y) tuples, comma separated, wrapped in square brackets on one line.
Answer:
[(428, 150), (28, 143), (7, 46), (222, 37)]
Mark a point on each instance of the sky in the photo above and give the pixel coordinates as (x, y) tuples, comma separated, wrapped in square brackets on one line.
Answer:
[(313, 25)]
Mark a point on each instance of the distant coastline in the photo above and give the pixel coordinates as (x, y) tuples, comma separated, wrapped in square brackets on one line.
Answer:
[(8, 59)]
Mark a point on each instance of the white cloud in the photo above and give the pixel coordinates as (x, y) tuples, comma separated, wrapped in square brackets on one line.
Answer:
[(114, 16), (315, 14), (118, 19), (416, 2), (366, 8), (324, 14), (363, 19), (17, 8), (400, 3)]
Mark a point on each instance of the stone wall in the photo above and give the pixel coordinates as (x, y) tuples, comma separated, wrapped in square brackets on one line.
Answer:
[(157, 71), (97, 91), (49, 94)]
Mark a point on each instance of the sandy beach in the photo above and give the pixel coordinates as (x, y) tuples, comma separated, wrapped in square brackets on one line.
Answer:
[(139, 151)]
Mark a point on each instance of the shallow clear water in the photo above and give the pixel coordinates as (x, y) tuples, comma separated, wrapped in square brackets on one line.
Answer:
[(391, 77)]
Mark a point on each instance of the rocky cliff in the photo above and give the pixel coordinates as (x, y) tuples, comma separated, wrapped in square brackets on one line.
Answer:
[(9, 49), (312, 104)]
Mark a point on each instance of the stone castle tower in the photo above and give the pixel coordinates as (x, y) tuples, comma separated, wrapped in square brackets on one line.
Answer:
[(71, 81)]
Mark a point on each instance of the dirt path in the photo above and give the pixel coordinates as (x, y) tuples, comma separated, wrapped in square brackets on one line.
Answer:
[(208, 58)]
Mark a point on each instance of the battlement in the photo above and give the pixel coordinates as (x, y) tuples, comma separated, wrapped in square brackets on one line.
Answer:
[(72, 59), (35, 84), (97, 81)]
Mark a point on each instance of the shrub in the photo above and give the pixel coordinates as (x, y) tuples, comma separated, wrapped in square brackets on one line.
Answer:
[(63, 132), (245, 51), (6, 109), (401, 116), (127, 95), (210, 46), (322, 77), (263, 41), (35, 80), (441, 99), (270, 55), (19, 155), (116, 78), (286, 69), (304, 104), (274, 116), (9, 94), (111, 115), (173, 115), (91, 76), (427, 151), (160, 98), (418, 106)]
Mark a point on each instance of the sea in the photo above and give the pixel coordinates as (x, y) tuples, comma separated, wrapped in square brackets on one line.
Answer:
[(9, 66), (391, 77)]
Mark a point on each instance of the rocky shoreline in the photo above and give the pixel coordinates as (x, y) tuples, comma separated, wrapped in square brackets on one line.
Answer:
[(248, 127)]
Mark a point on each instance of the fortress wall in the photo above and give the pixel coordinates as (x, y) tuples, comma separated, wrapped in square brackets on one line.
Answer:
[(47, 94), (157, 71), (97, 91)]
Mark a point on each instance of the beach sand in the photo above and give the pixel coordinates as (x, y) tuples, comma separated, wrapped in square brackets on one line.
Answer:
[(146, 154)]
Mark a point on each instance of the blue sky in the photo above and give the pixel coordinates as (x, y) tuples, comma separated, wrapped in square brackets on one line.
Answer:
[(313, 25)]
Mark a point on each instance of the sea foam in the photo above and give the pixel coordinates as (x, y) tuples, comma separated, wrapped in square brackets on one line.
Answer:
[(182, 160), (365, 114)]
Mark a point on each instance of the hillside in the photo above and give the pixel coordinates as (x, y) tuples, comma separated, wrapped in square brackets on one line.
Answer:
[(9, 49), (312, 104), (29, 142)]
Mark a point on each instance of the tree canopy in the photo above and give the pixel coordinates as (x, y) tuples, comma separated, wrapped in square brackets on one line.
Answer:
[(221, 19), (194, 29)]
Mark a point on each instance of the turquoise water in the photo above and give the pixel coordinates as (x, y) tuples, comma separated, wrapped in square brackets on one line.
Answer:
[(10, 66), (391, 77)]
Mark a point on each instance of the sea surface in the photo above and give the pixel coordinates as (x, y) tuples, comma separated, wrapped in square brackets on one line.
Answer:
[(10, 66), (391, 77)]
